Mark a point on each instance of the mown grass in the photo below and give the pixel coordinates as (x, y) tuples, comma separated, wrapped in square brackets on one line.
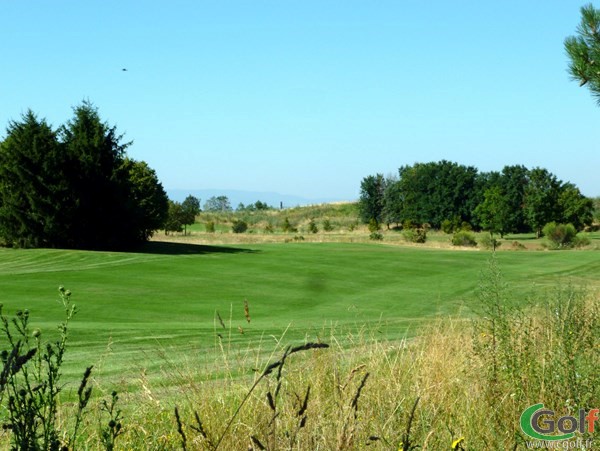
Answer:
[(167, 296)]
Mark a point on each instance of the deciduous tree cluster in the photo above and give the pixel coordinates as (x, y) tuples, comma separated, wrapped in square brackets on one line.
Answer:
[(182, 214), (449, 196)]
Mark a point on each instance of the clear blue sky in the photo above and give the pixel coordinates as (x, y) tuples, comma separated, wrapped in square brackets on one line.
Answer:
[(308, 97)]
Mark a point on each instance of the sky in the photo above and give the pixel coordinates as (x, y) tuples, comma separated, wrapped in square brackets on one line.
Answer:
[(306, 98)]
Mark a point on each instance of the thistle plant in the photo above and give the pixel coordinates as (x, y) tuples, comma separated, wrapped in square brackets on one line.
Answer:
[(31, 379), (114, 427), (30, 382)]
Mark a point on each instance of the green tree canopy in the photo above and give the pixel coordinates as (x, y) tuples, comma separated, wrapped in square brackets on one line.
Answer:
[(514, 200), (31, 180), (190, 208), (217, 204), (584, 50), (541, 199), (513, 182), (147, 202), (175, 217), (576, 209), (596, 209), (432, 192), (74, 187), (494, 211), (256, 206), (370, 203)]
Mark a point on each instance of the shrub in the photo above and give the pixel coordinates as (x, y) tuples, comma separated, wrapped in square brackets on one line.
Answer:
[(327, 227), (269, 228), (312, 226), (463, 238), (447, 226), (287, 226), (415, 235), (210, 227), (466, 226), (488, 242), (581, 241), (518, 246), (376, 236), (559, 236), (239, 226), (374, 225)]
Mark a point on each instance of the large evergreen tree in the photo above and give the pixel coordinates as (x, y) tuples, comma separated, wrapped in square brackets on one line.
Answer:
[(97, 212), (31, 181), (75, 187)]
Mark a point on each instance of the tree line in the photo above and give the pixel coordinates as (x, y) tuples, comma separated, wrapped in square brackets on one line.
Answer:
[(74, 186), (447, 195), (180, 215)]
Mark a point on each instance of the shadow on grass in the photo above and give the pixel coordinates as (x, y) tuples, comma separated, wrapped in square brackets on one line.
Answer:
[(166, 248), (521, 237)]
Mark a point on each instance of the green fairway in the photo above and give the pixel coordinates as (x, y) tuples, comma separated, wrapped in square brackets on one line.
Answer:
[(166, 297)]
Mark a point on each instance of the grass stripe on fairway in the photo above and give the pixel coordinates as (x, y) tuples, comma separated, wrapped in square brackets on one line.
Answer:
[(167, 296)]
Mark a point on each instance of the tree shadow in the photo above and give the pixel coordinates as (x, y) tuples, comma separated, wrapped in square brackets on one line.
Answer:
[(167, 248)]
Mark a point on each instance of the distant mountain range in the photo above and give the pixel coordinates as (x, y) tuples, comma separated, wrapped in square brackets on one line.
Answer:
[(249, 197)]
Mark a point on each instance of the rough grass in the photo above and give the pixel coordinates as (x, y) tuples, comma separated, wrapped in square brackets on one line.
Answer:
[(266, 227)]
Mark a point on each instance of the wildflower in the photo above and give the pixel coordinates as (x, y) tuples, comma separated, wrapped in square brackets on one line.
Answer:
[(457, 444)]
